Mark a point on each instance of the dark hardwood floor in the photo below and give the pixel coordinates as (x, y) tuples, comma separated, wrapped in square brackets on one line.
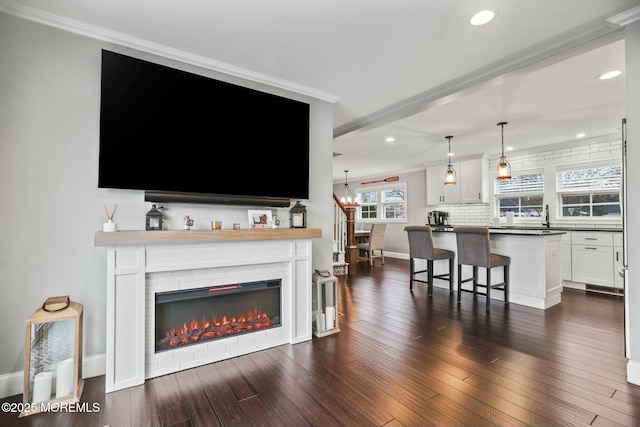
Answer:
[(401, 359)]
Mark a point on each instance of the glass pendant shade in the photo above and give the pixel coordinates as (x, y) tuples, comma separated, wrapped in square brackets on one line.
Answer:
[(503, 170), (346, 196), (450, 177)]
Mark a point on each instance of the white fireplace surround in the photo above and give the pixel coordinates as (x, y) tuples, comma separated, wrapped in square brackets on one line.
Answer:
[(139, 264), (178, 359)]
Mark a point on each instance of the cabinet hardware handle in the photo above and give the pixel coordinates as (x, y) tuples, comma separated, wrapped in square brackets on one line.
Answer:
[(479, 196), (590, 238), (593, 249), (617, 256)]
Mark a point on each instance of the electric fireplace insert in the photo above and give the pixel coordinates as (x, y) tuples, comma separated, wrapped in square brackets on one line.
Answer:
[(193, 316)]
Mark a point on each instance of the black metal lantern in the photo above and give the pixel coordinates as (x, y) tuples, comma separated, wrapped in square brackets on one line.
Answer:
[(298, 216), (154, 219)]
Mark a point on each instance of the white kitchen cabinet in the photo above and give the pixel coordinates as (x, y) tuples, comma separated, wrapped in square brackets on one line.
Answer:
[(471, 183), (474, 181), (618, 281), (437, 192), (592, 258), (565, 256)]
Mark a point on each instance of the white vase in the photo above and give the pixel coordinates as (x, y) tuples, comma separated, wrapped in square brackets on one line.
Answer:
[(110, 226)]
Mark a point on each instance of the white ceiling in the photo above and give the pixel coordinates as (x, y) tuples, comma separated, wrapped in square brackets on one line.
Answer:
[(412, 69)]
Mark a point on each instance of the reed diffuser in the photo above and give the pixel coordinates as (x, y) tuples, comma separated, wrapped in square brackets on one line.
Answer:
[(110, 225)]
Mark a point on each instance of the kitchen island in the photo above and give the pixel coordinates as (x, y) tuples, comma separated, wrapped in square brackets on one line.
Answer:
[(535, 272)]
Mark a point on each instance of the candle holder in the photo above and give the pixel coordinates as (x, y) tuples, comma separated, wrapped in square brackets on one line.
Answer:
[(53, 357), (298, 216)]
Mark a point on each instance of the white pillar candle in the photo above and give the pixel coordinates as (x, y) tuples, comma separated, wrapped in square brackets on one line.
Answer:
[(510, 217), (42, 387), (64, 380), (330, 317)]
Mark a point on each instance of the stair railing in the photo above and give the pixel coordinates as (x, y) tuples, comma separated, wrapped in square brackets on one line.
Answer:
[(344, 231)]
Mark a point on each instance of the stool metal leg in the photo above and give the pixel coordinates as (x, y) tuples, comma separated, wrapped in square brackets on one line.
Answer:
[(506, 284), (430, 276), (488, 287), (450, 275), (475, 280), (411, 272), (459, 282)]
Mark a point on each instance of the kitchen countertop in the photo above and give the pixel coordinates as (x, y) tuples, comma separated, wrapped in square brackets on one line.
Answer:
[(517, 229), (510, 231)]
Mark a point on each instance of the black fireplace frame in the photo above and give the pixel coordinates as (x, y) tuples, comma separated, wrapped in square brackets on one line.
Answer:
[(219, 305)]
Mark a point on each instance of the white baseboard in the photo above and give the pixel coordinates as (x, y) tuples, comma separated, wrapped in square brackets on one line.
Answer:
[(397, 255), (12, 383), (633, 372)]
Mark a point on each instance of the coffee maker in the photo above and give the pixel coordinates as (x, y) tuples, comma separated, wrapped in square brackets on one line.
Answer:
[(438, 218)]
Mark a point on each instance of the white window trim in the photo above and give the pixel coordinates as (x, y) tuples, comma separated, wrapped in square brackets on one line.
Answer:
[(558, 194), (380, 188), (517, 172)]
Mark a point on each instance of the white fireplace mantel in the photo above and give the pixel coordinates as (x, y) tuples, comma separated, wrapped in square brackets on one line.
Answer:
[(228, 255)]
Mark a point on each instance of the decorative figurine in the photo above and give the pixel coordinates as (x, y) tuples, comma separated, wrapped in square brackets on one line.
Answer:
[(188, 223)]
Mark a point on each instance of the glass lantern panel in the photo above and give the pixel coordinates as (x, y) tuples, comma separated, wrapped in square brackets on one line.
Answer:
[(51, 360)]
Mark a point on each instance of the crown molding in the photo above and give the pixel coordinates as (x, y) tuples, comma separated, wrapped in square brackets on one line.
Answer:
[(626, 17), (103, 34)]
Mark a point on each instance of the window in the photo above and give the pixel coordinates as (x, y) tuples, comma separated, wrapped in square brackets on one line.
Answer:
[(590, 192), (383, 203), (522, 195)]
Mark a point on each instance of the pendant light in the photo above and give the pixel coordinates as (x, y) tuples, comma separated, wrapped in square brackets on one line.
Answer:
[(346, 196), (450, 177), (504, 168)]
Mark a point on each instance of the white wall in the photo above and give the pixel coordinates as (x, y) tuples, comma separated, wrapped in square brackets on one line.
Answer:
[(50, 206), (632, 297)]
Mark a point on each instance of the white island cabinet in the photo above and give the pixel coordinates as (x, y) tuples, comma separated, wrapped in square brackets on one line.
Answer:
[(535, 272)]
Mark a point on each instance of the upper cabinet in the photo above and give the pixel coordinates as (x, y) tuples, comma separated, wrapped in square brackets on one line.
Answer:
[(437, 192), (472, 184)]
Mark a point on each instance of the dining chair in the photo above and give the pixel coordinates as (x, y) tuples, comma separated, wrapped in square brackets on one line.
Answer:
[(474, 249), (421, 247), (375, 243)]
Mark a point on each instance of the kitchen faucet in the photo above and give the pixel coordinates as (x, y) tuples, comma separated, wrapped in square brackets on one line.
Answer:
[(546, 216)]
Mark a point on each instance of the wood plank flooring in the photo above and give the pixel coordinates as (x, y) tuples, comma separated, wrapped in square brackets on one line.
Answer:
[(401, 359)]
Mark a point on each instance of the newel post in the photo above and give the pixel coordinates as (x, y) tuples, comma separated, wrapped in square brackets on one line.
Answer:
[(351, 249)]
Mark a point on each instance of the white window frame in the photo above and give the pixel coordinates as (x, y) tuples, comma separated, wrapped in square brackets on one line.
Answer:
[(587, 192), (520, 194), (380, 204)]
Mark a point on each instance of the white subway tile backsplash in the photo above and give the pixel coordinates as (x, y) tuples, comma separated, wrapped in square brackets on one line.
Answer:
[(576, 151)]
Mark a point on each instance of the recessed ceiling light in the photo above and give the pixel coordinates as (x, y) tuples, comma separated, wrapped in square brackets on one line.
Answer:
[(390, 139), (451, 154), (581, 135), (609, 74), (509, 148), (482, 17)]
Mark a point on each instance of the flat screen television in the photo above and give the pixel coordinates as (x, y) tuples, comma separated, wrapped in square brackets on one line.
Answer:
[(167, 130)]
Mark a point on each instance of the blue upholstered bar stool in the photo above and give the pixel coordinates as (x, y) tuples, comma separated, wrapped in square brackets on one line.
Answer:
[(474, 249), (421, 247)]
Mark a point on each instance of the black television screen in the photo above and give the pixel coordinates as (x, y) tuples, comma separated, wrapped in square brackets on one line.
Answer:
[(163, 129)]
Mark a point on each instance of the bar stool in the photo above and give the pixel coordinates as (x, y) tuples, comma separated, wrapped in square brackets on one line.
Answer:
[(474, 249), (421, 247)]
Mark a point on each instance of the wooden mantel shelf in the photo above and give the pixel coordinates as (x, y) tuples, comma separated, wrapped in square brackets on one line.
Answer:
[(164, 237)]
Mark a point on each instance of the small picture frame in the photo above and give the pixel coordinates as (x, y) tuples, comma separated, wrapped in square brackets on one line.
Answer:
[(260, 219)]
